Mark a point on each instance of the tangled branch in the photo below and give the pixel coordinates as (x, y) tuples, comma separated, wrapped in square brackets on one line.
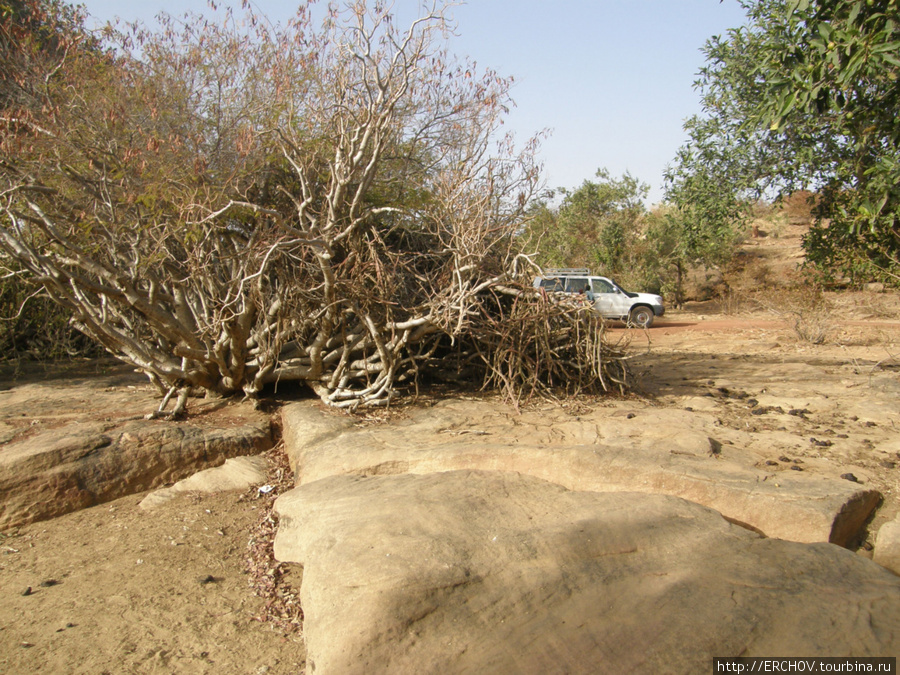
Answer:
[(329, 205)]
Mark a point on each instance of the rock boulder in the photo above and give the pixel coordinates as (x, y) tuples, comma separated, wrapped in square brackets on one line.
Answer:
[(602, 452), (79, 465), (490, 571), (887, 546)]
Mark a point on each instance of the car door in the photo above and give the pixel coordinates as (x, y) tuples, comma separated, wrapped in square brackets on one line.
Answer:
[(608, 300)]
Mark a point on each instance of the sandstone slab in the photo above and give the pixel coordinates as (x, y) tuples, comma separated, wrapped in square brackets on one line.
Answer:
[(79, 465), (604, 452), (488, 571), (237, 473)]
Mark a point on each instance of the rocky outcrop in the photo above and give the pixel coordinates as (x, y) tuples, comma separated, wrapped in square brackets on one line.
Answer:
[(491, 571), (79, 465), (600, 452)]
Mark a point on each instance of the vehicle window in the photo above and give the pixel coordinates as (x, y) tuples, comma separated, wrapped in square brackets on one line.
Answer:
[(602, 286), (552, 284), (576, 284)]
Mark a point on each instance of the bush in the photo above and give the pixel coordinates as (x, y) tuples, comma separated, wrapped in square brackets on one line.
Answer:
[(32, 326), (809, 314)]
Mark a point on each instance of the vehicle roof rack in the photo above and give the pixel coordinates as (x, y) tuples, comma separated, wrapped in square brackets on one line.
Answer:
[(567, 271)]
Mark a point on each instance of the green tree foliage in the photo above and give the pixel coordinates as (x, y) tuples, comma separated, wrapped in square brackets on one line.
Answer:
[(603, 225), (595, 225), (675, 241), (804, 96)]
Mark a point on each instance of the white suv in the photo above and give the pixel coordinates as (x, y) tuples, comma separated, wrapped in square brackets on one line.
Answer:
[(610, 299)]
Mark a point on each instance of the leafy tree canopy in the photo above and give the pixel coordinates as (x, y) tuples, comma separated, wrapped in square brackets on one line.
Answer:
[(591, 225), (804, 96)]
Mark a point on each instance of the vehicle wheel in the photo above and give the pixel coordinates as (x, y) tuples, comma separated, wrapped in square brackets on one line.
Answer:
[(641, 317)]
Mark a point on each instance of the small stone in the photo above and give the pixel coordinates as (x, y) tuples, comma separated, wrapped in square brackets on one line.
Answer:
[(630, 416), (850, 477), (27, 591), (48, 583), (784, 459), (771, 462), (208, 579), (796, 468)]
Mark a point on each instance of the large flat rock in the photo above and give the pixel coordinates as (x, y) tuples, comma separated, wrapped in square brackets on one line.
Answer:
[(237, 473), (82, 464), (498, 572), (660, 452)]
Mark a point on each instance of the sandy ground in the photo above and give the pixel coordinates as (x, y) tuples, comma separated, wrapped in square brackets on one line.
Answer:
[(113, 589)]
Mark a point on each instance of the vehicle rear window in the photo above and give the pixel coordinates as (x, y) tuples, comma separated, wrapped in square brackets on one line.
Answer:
[(576, 284), (552, 284)]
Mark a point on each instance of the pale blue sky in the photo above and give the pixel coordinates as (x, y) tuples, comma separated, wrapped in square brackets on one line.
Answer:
[(611, 79)]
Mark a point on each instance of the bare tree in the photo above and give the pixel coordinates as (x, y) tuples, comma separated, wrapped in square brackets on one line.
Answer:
[(239, 204)]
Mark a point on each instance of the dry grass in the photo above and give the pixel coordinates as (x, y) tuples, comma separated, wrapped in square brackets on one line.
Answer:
[(808, 312), (879, 306), (813, 325), (733, 302)]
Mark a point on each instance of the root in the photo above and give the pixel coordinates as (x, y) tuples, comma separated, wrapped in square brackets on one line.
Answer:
[(177, 412)]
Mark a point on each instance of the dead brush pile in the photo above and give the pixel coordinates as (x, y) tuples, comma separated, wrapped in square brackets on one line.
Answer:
[(526, 344)]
